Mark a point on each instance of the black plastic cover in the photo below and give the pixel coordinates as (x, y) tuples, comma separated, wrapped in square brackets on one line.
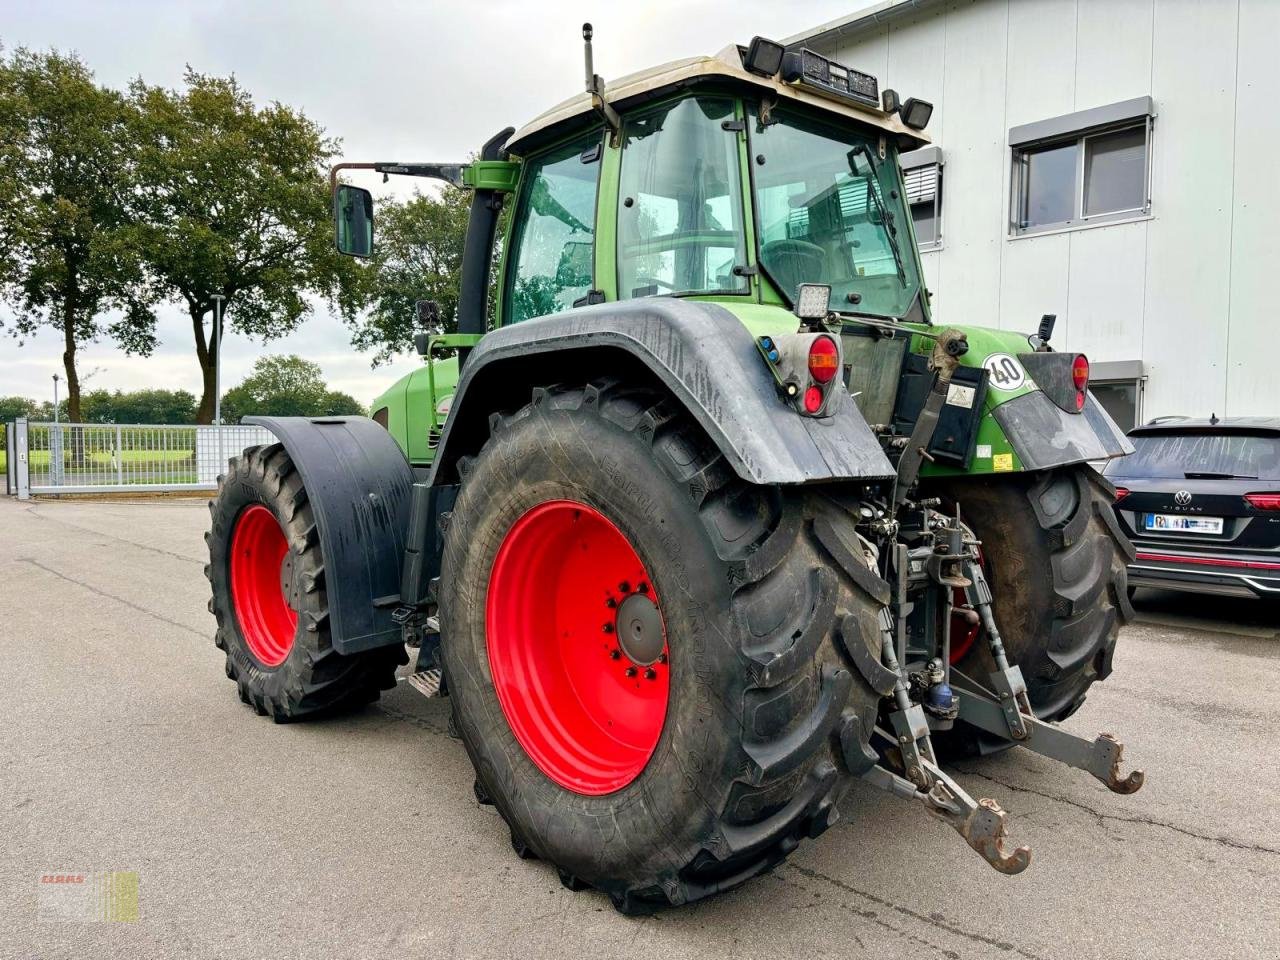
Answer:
[(358, 484), (956, 434)]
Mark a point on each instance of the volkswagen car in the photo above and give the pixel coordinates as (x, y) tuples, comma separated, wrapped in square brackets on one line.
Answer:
[(1201, 501)]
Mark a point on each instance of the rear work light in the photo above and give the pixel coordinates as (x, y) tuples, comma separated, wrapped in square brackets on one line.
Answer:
[(1264, 501), (824, 359)]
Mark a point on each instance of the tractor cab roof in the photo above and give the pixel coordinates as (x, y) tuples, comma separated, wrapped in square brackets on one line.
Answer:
[(724, 69)]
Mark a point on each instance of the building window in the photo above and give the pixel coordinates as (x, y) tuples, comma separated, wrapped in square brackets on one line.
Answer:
[(922, 176), (1118, 386), (1088, 167)]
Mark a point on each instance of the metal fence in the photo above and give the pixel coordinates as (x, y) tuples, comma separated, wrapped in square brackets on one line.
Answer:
[(44, 458)]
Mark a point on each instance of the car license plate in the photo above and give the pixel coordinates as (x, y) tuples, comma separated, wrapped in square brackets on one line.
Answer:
[(1176, 523)]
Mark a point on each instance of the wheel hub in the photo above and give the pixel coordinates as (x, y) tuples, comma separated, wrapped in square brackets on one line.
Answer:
[(639, 629)]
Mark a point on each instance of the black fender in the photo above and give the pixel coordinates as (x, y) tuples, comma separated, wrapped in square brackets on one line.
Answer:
[(1044, 435), (359, 485), (699, 352)]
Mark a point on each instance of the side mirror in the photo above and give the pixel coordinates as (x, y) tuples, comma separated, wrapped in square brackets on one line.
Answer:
[(353, 218)]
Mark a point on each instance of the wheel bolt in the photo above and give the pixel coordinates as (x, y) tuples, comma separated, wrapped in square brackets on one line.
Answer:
[(650, 673), (615, 655), (662, 658), (624, 586), (608, 628), (631, 671), (611, 603), (643, 588)]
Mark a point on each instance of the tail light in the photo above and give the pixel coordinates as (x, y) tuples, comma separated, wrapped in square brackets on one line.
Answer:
[(813, 399), (824, 359), (1121, 493), (1080, 371), (1264, 501), (1080, 377)]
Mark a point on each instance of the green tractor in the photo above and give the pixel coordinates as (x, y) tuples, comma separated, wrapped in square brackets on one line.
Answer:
[(707, 519)]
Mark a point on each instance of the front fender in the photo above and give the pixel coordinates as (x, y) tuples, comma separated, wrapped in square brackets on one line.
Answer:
[(698, 351)]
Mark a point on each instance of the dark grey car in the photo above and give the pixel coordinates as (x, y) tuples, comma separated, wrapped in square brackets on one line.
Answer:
[(1201, 501)]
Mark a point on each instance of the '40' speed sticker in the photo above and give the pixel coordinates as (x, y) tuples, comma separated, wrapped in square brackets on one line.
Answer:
[(1006, 372)]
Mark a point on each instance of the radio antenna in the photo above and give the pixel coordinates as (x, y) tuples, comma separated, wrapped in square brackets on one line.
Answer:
[(595, 87)]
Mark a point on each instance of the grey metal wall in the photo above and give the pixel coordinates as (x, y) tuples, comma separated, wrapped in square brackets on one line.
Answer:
[(1186, 291)]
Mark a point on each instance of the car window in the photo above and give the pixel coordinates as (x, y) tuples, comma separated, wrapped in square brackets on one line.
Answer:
[(554, 232), (1174, 455)]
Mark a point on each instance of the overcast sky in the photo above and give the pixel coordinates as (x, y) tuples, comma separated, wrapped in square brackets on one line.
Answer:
[(395, 80)]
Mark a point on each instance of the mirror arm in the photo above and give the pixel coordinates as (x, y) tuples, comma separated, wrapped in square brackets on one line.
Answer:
[(449, 172)]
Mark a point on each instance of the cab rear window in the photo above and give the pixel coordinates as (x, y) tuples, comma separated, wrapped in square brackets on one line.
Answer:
[(1177, 455)]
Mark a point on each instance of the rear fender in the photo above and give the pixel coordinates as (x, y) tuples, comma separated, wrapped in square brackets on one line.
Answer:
[(358, 483), (700, 354)]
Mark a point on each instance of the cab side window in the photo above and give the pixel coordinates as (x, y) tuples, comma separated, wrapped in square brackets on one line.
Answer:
[(553, 236)]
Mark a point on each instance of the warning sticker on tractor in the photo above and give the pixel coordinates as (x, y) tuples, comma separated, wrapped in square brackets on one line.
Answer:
[(1002, 463), (959, 395), (1006, 372), (983, 451)]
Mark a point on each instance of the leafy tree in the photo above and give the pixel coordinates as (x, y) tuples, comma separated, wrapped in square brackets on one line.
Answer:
[(235, 202), (286, 386), (66, 169), (417, 256), (139, 406), (339, 404), (11, 408)]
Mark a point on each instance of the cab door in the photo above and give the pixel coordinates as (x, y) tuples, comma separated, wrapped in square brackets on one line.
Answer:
[(549, 266)]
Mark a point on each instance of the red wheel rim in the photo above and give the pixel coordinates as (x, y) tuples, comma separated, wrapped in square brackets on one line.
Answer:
[(570, 621), (258, 556)]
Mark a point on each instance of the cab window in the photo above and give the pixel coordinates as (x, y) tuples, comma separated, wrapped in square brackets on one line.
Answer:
[(680, 202), (553, 235)]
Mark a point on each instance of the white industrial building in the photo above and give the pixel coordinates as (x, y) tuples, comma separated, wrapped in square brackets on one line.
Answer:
[(1110, 161)]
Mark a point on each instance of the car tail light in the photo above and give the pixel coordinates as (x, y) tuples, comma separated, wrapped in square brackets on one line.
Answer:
[(824, 360), (1264, 501), (1080, 371), (1121, 493)]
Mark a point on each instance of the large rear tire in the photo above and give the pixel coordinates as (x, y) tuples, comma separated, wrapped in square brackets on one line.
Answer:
[(266, 570), (668, 753), (1056, 562)]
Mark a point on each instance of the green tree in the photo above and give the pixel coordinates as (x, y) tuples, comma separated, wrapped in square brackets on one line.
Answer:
[(139, 406), (235, 203), (11, 408), (417, 256), (285, 386), (66, 191)]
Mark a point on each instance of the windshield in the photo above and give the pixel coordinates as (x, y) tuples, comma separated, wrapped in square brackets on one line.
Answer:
[(830, 211), (1179, 455)]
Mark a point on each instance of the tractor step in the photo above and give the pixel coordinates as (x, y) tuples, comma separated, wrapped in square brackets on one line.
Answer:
[(426, 682)]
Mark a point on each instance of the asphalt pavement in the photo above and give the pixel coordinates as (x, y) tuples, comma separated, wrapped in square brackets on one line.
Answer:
[(124, 748)]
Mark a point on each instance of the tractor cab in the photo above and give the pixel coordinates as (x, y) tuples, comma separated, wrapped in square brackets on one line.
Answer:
[(734, 178)]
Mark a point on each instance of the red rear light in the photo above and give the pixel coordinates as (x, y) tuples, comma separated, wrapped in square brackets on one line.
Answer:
[(1080, 397), (813, 400), (824, 360), (1121, 493), (1080, 372), (1264, 501)]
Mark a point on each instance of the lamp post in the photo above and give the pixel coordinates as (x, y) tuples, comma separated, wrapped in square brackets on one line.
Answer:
[(55, 452)]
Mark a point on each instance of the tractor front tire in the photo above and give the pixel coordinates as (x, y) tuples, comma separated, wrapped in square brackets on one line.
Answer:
[(1056, 562), (645, 653), (266, 569)]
